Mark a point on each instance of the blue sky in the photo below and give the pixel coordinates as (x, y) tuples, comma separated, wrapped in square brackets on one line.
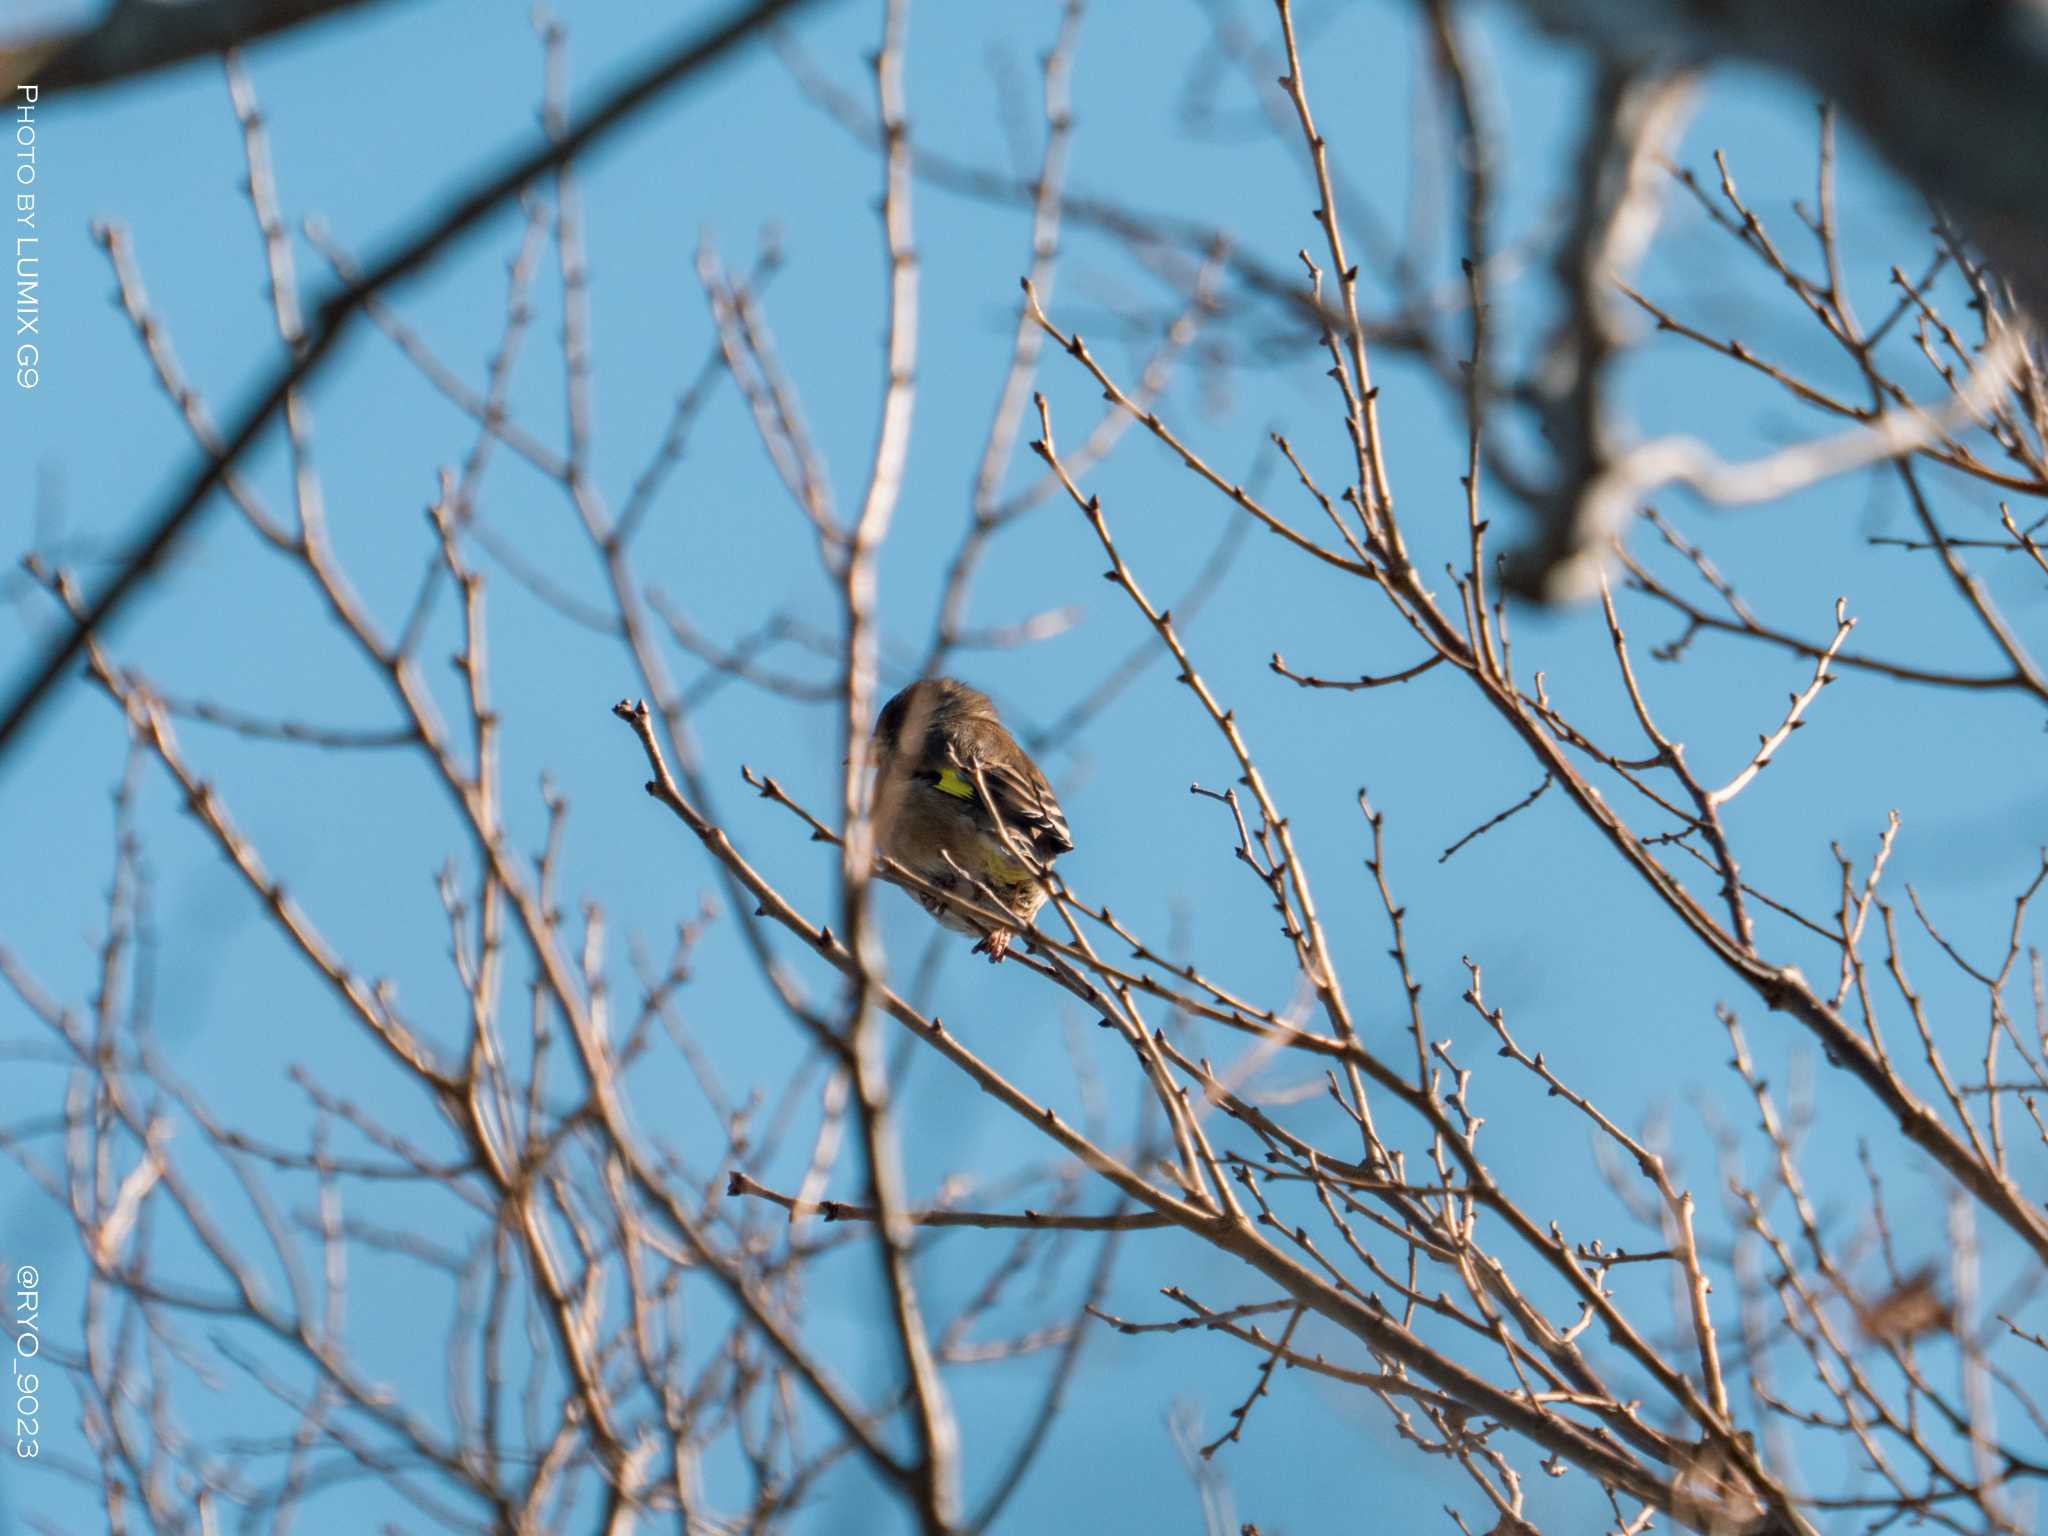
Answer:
[(376, 117)]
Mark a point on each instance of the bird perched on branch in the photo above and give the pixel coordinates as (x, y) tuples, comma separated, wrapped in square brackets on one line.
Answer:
[(960, 804)]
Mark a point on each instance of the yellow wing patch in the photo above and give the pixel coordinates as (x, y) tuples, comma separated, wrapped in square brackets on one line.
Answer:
[(1001, 869), (950, 783)]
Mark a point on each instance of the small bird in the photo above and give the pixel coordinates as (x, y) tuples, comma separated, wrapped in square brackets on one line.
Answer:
[(946, 772)]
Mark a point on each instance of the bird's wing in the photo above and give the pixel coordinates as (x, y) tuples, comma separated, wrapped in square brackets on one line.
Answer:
[(1018, 794), (1025, 802)]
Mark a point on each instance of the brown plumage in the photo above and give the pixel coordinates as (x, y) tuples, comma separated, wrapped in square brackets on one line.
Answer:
[(946, 770)]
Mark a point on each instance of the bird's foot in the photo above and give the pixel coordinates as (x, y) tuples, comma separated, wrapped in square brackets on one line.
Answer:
[(995, 945)]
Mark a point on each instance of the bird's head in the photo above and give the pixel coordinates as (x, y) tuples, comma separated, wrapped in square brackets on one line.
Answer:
[(907, 721)]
